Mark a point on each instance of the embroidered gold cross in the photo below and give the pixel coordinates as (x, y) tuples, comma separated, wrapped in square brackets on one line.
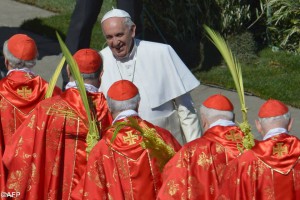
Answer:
[(29, 76), (233, 136), (130, 138), (280, 150), (24, 92)]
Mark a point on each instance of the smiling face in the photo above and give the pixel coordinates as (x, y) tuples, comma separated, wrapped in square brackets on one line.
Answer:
[(119, 36)]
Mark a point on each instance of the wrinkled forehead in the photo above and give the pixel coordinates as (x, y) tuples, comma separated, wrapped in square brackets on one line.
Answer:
[(114, 25), (113, 22)]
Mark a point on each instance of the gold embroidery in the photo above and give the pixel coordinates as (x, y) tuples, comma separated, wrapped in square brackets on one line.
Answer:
[(19, 146), (296, 177), (24, 92), (204, 160), (279, 149), (53, 135), (30, 125), (28, 76), (219, 148), (269, 192), (52, 195), (256, 172), (122, 168), (233, 136), (60, 109), (94, 176), (173, 187), (185, 157), (15, 180), (212, 189), (55, 166), (34, 177), (3, 105), (130, 139), (220, 170)]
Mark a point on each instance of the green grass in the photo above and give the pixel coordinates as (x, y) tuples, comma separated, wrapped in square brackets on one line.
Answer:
[(272, 75), (61, 21)]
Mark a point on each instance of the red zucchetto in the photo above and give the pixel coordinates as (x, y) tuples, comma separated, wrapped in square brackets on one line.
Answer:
[(88, 60), (22, 47), (122, 90), (272, 108), (218, 102)]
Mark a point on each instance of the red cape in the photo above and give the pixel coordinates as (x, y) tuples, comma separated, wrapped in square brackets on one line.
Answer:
[(123, 169), (20, 92), (270, 170), (196, 170), (47, 157)]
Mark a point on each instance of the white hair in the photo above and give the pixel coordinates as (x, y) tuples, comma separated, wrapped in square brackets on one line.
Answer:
[(119, 106), (17, 63), (275, 122), (128, 22), (213, 115)]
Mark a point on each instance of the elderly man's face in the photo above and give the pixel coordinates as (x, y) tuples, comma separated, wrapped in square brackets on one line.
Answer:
[(119, 36)]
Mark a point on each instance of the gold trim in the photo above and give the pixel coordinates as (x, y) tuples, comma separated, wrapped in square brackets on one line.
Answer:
[(280, 172), (74, 163)]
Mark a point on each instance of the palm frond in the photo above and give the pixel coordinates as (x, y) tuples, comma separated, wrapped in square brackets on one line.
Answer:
[(93, 134), (54, 78), (236, 73)]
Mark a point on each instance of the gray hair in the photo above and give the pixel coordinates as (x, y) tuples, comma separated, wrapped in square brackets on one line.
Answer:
[(119, 106), (213, 115), (94, 75), (273, 122), (128, 22), (17, 63)]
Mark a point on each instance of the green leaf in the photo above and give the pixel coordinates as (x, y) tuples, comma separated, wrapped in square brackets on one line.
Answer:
[(54, 78), (93, 133)]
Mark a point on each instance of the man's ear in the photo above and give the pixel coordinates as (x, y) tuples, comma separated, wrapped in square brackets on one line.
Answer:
[(290, 124), (259, 127), (204, 122), (6, 62), (132, 29)]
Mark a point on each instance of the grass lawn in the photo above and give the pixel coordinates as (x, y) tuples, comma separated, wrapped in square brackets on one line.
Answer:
[(272, 75)]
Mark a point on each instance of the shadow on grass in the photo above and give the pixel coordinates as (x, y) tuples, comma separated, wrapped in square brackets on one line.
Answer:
[(37, 26)]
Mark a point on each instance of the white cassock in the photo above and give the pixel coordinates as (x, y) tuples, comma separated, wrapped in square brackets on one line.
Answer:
[(164, 83)]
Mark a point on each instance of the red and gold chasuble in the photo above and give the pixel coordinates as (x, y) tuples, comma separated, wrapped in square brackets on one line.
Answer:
[(123, 169), (270, 170), (47, 157), (20, 92), (196, 170)]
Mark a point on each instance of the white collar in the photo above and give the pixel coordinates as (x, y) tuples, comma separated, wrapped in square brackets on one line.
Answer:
[(88, 87), (124, 114), (222, 122), (274, 131), (25, 69)]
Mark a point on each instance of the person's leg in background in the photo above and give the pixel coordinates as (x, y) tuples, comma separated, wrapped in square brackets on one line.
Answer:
[(134, 8), (79, 34)]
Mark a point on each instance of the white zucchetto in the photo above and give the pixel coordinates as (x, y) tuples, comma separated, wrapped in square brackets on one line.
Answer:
[(115, 13)]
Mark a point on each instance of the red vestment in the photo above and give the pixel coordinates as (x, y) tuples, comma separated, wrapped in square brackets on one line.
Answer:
[(123, 169), (48, 155), (196, 170), (20, 92), (270, 170)]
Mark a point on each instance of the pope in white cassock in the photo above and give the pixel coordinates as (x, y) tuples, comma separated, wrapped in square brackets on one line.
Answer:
[(163, 80)]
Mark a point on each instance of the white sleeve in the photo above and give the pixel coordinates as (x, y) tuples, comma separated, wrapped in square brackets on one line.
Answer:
[(188, 116)]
